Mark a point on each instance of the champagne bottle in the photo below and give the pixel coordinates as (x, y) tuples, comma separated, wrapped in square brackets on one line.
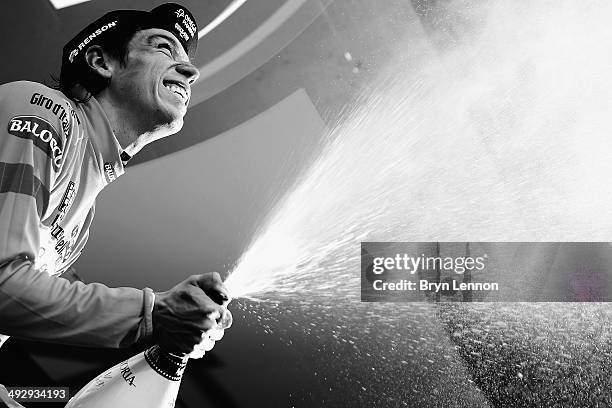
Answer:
[(149, 379)]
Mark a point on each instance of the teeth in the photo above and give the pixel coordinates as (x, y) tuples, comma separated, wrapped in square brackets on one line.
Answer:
[(177, 90)]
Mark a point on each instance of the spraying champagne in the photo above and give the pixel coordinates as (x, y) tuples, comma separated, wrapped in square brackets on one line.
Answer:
[(150, 379)]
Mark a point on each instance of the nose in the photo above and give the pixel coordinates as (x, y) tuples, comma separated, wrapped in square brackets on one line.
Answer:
[(189, 71)]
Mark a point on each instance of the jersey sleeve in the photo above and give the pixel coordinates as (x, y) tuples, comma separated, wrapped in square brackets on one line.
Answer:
[(34, 305)]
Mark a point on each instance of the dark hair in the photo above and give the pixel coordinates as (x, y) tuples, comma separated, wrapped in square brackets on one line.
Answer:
[(116, 46)]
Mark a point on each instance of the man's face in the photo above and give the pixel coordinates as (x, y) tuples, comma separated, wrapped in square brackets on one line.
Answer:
[(154, 84)]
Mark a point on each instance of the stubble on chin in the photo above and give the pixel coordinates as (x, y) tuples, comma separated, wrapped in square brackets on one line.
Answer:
[(165, 129)]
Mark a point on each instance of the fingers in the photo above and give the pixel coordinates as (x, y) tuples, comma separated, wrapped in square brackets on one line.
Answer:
[(225, 322), (216, 315), (207, 325), (216, 334), (180, 344), (206, 344), (187, 343), (191, 308), (197, 353), (213, 286)]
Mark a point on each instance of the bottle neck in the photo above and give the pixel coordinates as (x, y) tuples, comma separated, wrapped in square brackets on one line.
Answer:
[(166, 364)]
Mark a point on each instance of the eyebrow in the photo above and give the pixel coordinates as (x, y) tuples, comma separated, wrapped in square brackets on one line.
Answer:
[(171, 40), (177, 47)]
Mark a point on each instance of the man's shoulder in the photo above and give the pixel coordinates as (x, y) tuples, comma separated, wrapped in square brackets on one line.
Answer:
[(24, 100), (20, 90)]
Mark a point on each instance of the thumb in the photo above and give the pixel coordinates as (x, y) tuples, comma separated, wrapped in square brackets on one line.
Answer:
[(213, 286)]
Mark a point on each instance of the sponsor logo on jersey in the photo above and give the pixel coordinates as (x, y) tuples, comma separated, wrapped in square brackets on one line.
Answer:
[(109, 172), (90, 38), (66, 203), (64, 245), (64, 114), (41, 132)]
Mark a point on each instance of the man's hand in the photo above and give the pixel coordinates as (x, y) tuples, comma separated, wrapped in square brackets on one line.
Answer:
[(212, 336), (189, 312)]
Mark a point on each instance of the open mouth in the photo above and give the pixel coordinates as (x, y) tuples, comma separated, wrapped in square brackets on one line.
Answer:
[(179, 90)]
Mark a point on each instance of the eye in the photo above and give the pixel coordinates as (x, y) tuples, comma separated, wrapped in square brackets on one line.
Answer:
[(165, 46)]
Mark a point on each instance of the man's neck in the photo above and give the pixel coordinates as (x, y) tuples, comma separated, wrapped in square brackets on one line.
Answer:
[(132, 130), (132, 136)]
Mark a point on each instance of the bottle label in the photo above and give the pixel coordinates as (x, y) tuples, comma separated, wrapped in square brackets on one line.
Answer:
[(127, 374)]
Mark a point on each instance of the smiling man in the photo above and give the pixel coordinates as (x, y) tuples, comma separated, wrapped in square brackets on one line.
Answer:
[(125, 82)]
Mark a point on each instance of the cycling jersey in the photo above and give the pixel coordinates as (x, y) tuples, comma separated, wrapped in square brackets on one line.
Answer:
[(55, 157)]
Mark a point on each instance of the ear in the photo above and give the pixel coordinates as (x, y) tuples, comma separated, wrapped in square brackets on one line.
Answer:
[(99, 61)]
